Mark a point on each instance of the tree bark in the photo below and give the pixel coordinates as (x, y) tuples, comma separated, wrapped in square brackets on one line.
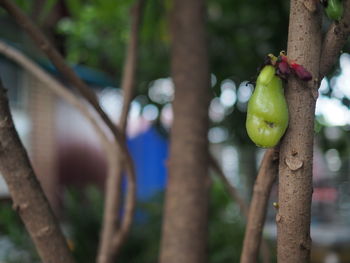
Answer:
[(334, 40), (296, 151), (27, 195), (184, 237)]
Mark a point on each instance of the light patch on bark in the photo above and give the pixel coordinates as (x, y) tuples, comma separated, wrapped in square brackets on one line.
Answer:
[(293, 163)]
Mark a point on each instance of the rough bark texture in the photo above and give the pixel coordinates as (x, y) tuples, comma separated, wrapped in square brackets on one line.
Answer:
[(27, 195), (295, 169), (335, 39), (258, 206), (184, 237)]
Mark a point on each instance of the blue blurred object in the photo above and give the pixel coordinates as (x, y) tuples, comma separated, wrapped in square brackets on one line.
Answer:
[(93, 77), (150, 154)]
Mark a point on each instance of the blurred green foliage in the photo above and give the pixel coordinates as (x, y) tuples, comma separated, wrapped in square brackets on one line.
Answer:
[(226, 226), (82, 220), (16, 246), (96, 32), (240, 34)]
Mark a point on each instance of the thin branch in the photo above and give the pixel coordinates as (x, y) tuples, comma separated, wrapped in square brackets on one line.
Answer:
[(88, 94), (112, 237), (334, 41), (128, 86), (27, 195), (258, 207), (130, 65)]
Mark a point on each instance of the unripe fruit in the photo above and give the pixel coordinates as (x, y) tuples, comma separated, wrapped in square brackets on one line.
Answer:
[(267, 113), (334, 9)]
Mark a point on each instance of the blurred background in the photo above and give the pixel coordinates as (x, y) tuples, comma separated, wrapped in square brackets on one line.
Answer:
[(70, 161)]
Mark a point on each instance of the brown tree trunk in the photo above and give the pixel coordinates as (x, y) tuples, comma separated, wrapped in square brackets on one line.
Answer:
[(27, 195), (184, 237), (295, 169)]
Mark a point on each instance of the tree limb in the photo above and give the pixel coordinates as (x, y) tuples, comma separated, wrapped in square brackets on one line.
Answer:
[(111, 236), (27, 195), (128, 87), (258, 206), (334, 41), (130, 64)]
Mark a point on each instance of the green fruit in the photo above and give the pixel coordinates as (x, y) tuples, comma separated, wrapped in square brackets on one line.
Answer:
[(334, 9), (267, 113)]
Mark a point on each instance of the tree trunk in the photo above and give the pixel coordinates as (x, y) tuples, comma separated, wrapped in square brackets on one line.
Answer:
[(184, 237), (295, 169)]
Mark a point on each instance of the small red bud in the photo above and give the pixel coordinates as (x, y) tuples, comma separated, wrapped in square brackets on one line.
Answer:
[(301, 72)]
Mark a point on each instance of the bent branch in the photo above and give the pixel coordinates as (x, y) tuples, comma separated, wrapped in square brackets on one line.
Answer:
[(111, 236)]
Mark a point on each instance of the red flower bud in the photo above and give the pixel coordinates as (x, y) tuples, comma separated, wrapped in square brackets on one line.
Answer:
[(301, 72)]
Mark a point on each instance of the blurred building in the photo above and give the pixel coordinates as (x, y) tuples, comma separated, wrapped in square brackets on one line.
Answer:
[(63, 147), (36, 114)]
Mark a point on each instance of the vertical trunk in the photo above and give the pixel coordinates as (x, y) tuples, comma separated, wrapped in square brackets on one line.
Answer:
[(185, 218), (295, 169)]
